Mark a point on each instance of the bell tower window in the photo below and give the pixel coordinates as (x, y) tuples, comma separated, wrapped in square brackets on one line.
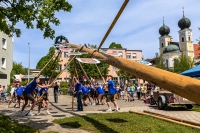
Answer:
[(182, 39), (162, 45), (188, 38)]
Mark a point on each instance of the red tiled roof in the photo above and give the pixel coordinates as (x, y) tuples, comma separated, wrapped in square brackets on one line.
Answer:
[(197, 50)]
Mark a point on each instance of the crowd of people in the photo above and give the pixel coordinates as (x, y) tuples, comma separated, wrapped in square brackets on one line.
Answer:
[(97, 94)]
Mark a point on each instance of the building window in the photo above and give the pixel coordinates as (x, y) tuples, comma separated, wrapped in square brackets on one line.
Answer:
[(121, 79), (120, 54), (167, 63), (162, 45), (60, 55), (59, 79), (182, 39), (66, 79), (59, 67), (115, 80), (3, 62), (114, 68), (4, 43), (188, 38), (134, 55), (65, 54), (168, 43), (128, 56)]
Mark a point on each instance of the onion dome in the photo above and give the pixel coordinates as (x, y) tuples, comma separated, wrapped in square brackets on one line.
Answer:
[(184, 22), (171, 48), (164, 29)]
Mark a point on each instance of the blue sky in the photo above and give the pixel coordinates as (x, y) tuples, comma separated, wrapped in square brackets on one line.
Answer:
[(88, 21)]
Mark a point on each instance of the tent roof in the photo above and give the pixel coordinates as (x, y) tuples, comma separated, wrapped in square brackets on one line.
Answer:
[(193, 72)]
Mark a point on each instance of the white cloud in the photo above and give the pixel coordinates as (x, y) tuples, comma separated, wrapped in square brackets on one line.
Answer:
[(137, 28)]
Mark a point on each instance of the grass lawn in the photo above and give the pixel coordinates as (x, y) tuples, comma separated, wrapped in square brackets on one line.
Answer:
[(11, 126), (123, 123), (196, 108)]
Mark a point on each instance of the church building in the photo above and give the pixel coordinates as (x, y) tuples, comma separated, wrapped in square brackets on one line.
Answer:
[(172, 50)]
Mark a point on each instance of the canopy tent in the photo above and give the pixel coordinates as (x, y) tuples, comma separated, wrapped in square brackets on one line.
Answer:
[(193, 72), (3, 75)]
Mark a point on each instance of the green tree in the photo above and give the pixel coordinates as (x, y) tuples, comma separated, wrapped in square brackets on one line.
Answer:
[(90, 69), (30, 12), (183, 63), (50, 69), (17, 69), (115, 45), (159, 61), (124, 74)]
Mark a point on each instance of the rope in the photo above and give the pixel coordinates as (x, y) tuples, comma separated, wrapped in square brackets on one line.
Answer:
[(100, 73), (114, 22)]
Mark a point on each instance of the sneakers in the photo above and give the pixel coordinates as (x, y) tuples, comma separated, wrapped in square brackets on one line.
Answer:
[(38, 114), (30, 113), (48, 112), (108, 110), (7, 106), (21, 113)]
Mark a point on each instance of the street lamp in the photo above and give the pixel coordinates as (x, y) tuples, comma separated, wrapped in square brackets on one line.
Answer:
[(28, 61)]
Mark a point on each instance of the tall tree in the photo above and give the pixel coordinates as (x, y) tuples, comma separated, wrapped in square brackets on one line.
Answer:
[(183, 63), (17, 69), (159, 61), (115, 45), (41, 12), (49, 71)]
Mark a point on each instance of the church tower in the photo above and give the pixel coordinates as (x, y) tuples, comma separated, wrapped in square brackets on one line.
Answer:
[(185, 37), (164, 39)]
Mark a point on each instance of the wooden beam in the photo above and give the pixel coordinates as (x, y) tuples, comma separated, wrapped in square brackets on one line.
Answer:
[(182, 85)]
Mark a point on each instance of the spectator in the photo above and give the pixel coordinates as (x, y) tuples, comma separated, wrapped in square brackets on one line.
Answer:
[(56, 89)]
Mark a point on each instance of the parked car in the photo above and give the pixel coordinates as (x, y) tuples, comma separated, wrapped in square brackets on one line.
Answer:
[(165, 98)]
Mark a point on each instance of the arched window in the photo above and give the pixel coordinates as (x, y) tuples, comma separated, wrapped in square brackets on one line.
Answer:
[(168, 43), (175, 60), (188, 38), (182, 39), (162, 45), (167, 63)]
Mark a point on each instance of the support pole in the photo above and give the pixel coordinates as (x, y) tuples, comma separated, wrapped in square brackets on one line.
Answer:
[(181, 85), (100, 73), (84, 72)]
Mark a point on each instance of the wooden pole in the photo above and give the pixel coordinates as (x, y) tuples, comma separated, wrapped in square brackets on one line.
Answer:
[(100, 73), (84, 72), (182, 85)]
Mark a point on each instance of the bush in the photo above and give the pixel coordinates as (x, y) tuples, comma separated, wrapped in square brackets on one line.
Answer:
[(8, 89), (64, 85), (23, 83), (7, 125), (64, 91)]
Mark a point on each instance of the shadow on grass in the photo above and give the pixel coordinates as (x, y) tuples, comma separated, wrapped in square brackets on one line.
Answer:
[(71, 124), (117, 120), (101, 127)]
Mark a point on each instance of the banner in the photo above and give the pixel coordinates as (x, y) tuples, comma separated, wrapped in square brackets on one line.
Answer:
[(88, 60)]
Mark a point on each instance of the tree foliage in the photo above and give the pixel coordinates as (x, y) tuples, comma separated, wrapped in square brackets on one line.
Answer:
[(90, 69), (125, 75), (17, 69), (115, 45), (159, 61), (30, 12), (50, 69), (183, 63)]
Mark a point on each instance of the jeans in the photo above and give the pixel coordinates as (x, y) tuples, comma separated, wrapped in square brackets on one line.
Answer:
[(79, 101), (56, 97), (138, 94)]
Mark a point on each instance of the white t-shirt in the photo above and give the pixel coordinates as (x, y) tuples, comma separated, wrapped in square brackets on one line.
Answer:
[(12, 90)]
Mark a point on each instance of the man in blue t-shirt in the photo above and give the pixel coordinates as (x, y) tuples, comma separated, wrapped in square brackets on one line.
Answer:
[(79, 93), (28, 94), (112, 91), (19, 92), (85, 94), (100, 92)]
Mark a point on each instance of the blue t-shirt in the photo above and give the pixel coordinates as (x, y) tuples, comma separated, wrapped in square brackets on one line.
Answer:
[(90, 89), (19, 91), (111, 87), (30, 88), (85, 90), (78, 87), (100, 90), (43, 90)]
